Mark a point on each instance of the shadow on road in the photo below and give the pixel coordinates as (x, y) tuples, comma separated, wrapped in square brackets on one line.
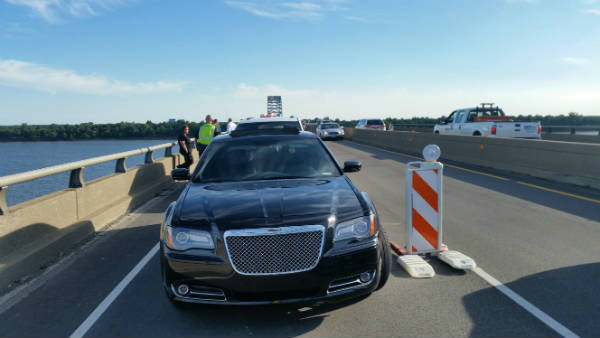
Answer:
[(569, 295), (288, 320)]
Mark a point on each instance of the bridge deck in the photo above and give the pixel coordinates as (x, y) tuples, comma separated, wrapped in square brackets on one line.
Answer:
[(541, 244)]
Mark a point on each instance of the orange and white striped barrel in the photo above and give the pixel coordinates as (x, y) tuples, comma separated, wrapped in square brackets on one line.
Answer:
[(424, 207)]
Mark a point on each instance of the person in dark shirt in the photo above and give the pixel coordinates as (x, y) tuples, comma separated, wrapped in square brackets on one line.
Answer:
[(185, 147)]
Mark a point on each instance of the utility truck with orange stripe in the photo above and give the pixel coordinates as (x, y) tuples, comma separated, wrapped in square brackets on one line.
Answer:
[(486, 120)]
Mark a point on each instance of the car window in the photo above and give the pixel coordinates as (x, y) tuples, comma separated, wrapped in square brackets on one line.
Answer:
[(451, 117), (329, 126), (459, 116), (375, 122), (265, 158), (471, 116)]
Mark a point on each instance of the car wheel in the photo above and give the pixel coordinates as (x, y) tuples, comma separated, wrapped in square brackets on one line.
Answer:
[(386, 262), (476, 133), (437, 132)]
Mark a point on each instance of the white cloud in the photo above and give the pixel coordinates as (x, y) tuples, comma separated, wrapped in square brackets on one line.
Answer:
[(302, 10), (408, 101), (592, 11), (303, 6), (20, 74), (576, 61), (53, 10)]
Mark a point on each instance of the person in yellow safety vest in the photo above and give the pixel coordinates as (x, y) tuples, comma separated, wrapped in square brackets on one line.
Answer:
[(205, 135)]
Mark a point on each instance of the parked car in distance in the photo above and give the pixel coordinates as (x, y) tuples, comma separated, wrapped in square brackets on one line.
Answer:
[(330, 130), (271, 218), (269, 123), (486, 120), (370, 124)]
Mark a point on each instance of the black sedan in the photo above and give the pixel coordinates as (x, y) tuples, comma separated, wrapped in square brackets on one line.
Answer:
[(271, 219)]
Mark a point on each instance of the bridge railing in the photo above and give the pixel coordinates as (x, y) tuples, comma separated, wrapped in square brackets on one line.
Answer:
[(569, 129), (76, 169), (549, 129)]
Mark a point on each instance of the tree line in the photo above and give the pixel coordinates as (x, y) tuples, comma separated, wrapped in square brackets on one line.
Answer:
[(571, 119), (89, 131), (130, 130)]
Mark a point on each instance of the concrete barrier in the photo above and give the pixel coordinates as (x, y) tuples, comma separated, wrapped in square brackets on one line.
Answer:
[(35, 232), (568, 162)]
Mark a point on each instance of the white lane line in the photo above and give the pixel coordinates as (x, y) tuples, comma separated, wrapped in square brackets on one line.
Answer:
[(93, 317), (539, 314)]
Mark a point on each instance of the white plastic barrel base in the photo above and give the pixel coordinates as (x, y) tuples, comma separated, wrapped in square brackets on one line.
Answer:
[(457, 260), (415, 266)]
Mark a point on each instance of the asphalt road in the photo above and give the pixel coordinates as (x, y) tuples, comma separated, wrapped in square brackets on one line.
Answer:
[(541, 244)]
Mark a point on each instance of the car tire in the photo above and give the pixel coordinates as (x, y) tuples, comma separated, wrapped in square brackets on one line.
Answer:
[(386, 262), (476, 133), (437, 132)]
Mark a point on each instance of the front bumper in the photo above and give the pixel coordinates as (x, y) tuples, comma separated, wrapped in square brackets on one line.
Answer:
[(335, 278)]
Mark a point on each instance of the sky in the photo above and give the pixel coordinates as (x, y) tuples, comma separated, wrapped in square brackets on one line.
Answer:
[(106, 61)]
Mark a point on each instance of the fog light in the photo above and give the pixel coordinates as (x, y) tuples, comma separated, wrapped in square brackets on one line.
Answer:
[(364, 277), (184, 289)]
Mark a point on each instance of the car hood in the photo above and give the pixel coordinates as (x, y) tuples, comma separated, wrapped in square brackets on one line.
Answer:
[(239, 205), (333, 129)]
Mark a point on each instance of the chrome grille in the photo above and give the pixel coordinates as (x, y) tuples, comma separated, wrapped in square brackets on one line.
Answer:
[(267, 251)]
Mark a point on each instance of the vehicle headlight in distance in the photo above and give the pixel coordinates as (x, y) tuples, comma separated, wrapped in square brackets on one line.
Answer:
[(342, 131), (357, 228), (324, 132), (183, 239)]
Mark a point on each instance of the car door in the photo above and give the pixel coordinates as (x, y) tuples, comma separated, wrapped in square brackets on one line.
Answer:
[(446, 128), (457, 123), (467, 126)]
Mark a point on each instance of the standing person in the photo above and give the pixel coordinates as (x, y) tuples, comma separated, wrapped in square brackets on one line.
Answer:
[(205, 134), (230, 126), (185, 147), (218, 127)]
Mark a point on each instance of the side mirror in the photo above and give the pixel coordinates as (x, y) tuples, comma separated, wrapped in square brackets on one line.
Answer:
[(442, 120), (180, 174), (352, 166)]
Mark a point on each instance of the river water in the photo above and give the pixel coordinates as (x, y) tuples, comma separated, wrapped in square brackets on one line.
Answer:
[(16, 157)]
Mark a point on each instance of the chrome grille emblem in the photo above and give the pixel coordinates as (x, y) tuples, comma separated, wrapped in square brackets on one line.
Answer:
[(268, 251)]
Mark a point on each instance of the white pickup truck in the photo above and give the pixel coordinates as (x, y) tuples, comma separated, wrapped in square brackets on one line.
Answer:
[(486, 120)]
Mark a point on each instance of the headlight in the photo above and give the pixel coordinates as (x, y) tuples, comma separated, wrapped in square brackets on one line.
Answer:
[(357, 228), (324, 132), (342, 131), (183, 239)]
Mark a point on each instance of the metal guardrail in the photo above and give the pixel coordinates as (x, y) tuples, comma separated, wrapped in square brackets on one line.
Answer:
[(76, 169), (570, 129), (545, 128), (414, 126)]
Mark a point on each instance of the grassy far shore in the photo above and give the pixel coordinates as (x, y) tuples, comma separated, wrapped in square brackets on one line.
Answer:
[(170, 130)]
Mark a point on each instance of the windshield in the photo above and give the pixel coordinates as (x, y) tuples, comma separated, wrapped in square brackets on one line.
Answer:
[(267, 125), (484, 112), (265, 158), (330, 126), (374, 122)]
